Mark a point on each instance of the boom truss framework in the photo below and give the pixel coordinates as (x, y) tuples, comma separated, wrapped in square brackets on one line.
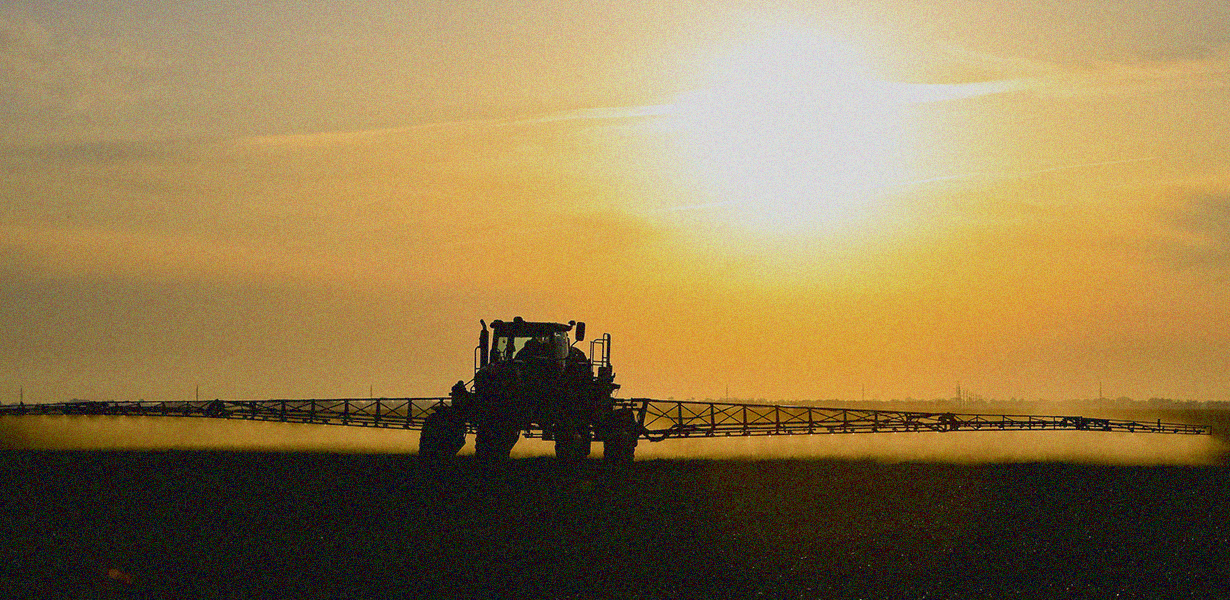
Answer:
[(659, 419)]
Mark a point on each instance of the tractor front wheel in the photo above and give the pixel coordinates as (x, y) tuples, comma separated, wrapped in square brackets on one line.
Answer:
[(495, 439), (443, 434)]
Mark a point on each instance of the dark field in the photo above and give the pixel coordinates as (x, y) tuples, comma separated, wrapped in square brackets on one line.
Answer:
[(181, 524)]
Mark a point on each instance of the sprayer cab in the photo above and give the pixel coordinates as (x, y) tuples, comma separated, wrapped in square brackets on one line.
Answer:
[(521, 340)]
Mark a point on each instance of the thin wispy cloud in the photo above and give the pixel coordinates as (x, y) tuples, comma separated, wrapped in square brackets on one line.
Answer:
[(1021, 174), (997, 75), (335, 138), (1209, 70), (50, 68), (602, 113)]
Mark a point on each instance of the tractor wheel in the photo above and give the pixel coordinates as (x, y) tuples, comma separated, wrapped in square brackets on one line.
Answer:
[(619, 451), (443, 434), (495, 439), (572, 444), (619, 446)]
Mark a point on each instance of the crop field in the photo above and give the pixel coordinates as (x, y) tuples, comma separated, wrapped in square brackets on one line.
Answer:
[(225, 524)]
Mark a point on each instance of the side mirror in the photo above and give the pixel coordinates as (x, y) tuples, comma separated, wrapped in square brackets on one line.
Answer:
[(581, 332), (484, 341)]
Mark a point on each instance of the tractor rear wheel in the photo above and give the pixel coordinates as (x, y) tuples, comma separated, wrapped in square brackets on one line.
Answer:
[(572, 444), (619, 441), (443, 434), (619, 451)]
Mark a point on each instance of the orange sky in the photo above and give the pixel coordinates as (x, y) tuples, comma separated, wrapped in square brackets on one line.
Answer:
[(795, 202)]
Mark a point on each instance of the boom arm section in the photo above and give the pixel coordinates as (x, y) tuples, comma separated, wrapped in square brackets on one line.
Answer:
[(658, 419), (677, 419), (403, 413)]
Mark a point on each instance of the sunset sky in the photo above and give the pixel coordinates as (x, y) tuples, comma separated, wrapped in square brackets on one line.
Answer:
[(787, 200)]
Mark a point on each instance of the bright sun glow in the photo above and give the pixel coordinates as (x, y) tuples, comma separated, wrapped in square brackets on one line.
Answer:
[(794, 134)]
